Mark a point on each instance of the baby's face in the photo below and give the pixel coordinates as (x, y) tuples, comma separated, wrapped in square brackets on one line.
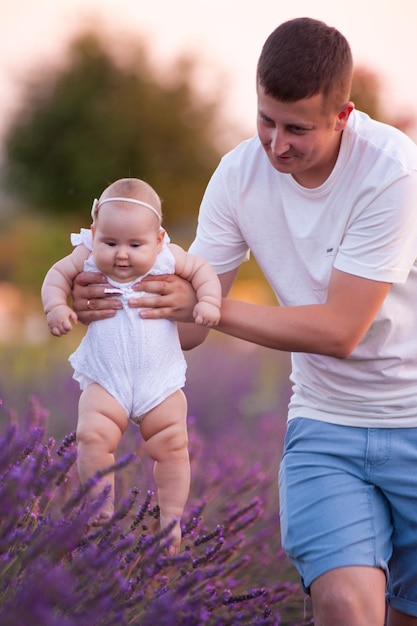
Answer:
[(126, 241)]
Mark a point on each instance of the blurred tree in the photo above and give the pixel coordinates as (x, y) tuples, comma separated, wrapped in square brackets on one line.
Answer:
[(367, 94), (365, 91), (102, 115), (98, 119)]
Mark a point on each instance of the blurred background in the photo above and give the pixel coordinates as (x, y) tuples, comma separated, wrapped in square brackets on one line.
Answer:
[(94, 90)]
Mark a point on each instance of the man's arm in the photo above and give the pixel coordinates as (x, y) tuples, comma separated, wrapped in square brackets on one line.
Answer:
[(334, 328)]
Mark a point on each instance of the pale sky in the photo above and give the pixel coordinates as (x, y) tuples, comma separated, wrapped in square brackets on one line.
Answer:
[(227, 34)]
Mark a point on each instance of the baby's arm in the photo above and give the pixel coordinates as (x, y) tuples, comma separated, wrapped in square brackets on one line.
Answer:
[(57, 287), (205, 282)]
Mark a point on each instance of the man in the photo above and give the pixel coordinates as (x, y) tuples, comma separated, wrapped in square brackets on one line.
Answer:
[(326, 200)]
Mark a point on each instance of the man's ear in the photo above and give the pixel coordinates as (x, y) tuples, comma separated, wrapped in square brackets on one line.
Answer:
[(343, 115)]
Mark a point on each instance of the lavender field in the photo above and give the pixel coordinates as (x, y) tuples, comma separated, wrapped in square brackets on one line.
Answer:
[(56, 571)]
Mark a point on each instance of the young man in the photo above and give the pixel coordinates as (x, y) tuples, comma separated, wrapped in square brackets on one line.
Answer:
[(326, 200)]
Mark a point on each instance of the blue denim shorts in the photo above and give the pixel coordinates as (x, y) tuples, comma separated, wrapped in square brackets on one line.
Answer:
[(348, 496)]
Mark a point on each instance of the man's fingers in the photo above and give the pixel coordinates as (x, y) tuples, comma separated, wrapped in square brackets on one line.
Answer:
[(156, 314), (94, 292), (92, 315), (90, 278), (148, 301), (170, 297), (96, 301), (161, 287), (163, 284)]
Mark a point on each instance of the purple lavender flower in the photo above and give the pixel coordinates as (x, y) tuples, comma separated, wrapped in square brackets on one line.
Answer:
[(56, 570)]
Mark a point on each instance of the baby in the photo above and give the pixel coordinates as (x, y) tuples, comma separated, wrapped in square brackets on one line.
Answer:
[(129, 367)]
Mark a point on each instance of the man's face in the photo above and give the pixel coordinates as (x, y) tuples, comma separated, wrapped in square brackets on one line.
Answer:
[(301, 138)]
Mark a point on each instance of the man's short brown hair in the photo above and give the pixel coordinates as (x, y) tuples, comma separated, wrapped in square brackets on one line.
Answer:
[(304, 57)]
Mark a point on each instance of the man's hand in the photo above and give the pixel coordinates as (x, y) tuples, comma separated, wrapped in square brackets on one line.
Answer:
[(89, 298), (170, 297)]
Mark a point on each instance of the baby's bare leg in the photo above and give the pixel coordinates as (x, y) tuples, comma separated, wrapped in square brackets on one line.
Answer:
[(101, 424), (164, 430)]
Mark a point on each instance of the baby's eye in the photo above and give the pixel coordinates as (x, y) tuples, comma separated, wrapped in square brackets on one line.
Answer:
[(135, 245), (110, 243)]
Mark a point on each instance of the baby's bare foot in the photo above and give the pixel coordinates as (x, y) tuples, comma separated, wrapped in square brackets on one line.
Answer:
[(104, 514), (174, 536)]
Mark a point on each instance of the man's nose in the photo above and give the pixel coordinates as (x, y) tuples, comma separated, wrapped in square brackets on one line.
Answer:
[(279, 142)]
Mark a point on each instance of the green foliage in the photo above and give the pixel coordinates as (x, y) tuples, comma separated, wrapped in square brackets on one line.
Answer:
[(98, 119), (366, 93), (29, 245)]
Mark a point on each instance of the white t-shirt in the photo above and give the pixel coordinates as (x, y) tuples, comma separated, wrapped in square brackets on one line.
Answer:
[(362, 220)]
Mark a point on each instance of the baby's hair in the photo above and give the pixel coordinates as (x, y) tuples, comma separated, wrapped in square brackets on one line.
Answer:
[(127, 190)]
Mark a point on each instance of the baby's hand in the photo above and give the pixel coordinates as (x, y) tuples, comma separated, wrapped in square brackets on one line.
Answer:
[(61, 319), (206, 314)]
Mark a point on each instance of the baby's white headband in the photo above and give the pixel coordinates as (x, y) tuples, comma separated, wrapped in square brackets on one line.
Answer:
[(97, 205)]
